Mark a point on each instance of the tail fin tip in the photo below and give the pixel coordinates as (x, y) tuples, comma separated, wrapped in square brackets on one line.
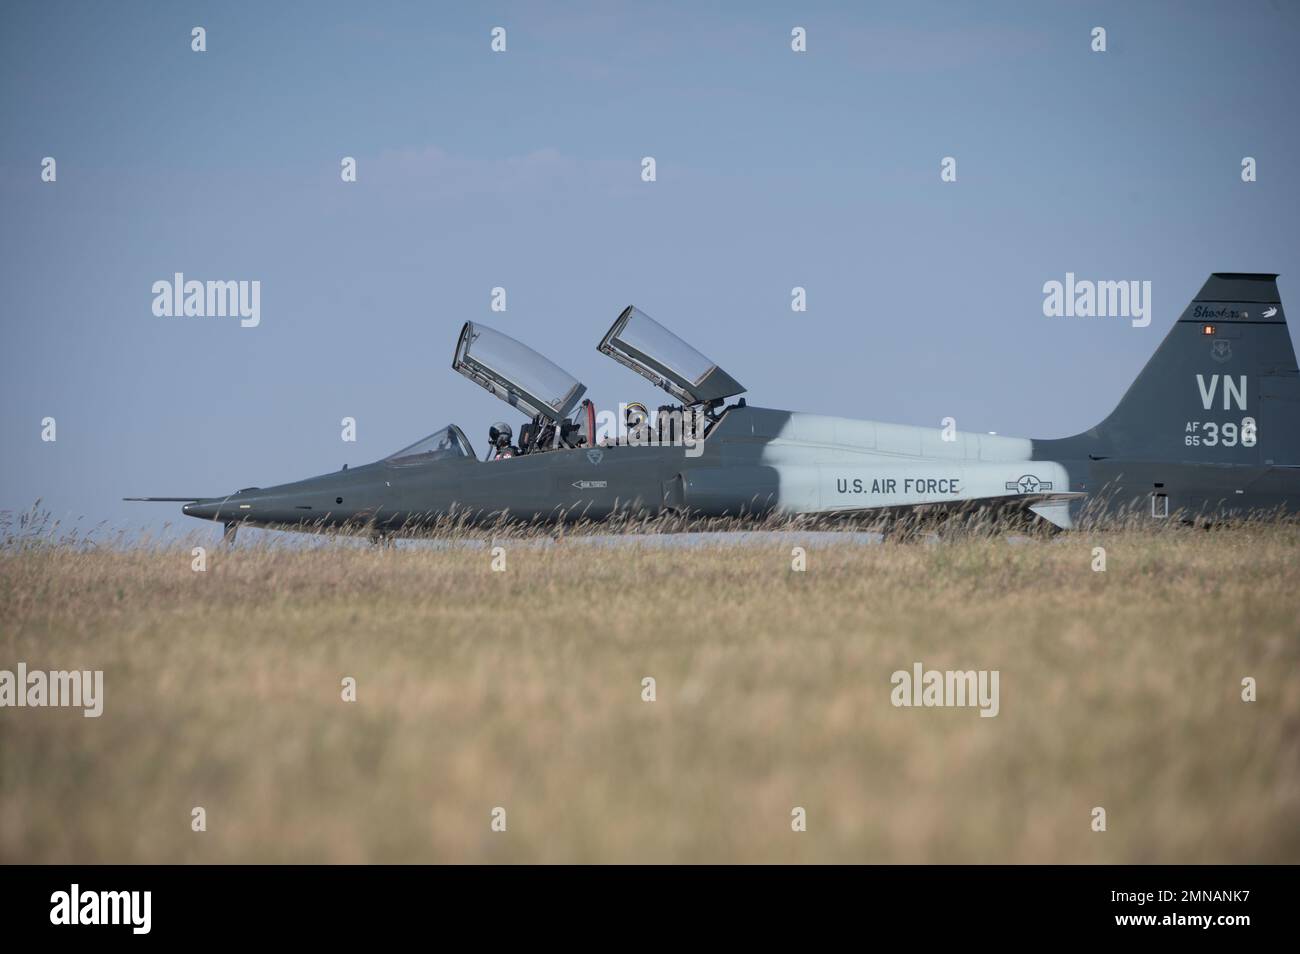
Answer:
[(1240, 287)]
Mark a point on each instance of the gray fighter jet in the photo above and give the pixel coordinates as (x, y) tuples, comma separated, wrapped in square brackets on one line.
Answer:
[(1210, 429)]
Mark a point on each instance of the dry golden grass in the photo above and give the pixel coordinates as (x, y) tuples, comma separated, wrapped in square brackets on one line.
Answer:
[(522, 689)]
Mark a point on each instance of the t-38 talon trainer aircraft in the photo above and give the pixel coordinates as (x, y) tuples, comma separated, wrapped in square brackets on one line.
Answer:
[(1210, 428)]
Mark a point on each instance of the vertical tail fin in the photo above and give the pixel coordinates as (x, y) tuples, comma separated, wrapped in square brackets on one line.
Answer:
[(1223, 386)]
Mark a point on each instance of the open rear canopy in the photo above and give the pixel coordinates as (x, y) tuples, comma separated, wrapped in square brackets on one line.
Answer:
[(516, 373), (651, 350)]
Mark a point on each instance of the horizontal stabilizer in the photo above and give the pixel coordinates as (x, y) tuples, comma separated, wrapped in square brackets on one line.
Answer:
[(1055, 508)]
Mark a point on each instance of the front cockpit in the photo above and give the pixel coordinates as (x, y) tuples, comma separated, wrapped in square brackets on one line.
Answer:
[(524, 379), (447, 443), (516, 373)]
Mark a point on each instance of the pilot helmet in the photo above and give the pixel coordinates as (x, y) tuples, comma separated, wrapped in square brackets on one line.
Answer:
[(636, 414), (500, 433)]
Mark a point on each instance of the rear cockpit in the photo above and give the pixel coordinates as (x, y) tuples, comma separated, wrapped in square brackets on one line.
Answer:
[(639, 342)]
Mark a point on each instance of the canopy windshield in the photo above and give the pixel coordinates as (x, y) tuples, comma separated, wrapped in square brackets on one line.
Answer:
[(516, 373), (651, 350), (446, 443)]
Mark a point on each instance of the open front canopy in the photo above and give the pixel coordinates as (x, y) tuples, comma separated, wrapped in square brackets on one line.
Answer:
[(651, 350), (516, 373)]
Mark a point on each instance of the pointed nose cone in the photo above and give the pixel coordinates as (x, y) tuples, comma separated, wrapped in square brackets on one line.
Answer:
[(204, 510)]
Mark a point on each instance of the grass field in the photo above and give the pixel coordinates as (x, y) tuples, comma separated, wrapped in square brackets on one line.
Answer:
[(522, 689)]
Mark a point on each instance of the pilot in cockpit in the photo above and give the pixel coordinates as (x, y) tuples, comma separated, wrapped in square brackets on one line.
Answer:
[(637, 420), (499, 435)]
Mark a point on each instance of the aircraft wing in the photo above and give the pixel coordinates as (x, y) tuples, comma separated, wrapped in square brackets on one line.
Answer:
[(1052, 507)]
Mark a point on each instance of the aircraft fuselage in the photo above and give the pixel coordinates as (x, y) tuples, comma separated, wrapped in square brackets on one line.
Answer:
[(754, 462)]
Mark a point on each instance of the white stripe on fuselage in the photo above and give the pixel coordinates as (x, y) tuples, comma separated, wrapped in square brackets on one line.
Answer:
[(835, 464)]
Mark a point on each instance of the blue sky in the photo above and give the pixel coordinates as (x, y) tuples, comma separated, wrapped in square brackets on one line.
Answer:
[(522, 170)]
